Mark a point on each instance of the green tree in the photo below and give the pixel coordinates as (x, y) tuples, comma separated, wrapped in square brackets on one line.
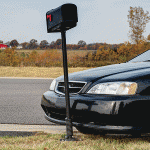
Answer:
[(137, 22), (52, 45), (14, 43), (24, 45), (33, 44), (82, 43), (58, 42), (44, 44)]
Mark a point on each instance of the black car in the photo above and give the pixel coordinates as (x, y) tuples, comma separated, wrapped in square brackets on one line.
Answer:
[(110, 98)]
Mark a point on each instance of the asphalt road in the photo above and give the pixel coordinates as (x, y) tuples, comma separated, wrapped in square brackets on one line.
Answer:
[(20, 100)]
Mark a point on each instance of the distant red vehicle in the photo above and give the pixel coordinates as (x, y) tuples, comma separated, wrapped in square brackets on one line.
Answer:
[(3, 46)]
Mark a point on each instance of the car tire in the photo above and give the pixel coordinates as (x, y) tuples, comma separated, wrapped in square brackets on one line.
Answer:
[(89, 131)]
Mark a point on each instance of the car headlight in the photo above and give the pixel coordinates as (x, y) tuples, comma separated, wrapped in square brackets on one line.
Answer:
[(116, 88), (53, 84)]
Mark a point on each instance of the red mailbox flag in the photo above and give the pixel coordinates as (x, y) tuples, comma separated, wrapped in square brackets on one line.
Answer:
[(49, 17), (64, 17)]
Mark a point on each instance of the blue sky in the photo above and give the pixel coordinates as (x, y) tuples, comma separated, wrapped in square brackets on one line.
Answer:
[(98, 20)]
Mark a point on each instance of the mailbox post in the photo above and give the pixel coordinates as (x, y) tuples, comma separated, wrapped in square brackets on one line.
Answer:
[(59, 20)]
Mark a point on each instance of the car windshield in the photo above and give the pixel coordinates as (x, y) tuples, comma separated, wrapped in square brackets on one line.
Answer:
[(142, 57)]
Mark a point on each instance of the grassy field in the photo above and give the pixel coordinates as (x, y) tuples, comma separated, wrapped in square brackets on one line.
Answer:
[(45, 141), (69, 52), (44, 72)]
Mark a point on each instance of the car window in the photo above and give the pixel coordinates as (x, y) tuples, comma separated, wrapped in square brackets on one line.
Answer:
[(142, 57)]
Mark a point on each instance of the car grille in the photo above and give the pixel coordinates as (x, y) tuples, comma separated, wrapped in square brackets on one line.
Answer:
[(74, 87)]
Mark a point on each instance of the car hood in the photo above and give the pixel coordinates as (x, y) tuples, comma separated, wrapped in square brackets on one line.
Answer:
[(94, 74)]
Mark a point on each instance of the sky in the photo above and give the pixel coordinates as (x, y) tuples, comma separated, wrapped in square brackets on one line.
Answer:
[(99, 21)]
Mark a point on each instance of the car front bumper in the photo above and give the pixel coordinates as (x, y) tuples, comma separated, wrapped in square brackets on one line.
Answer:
[(111, 113)]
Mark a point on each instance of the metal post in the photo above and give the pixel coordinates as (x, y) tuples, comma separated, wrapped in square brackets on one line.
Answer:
[(69, 129)]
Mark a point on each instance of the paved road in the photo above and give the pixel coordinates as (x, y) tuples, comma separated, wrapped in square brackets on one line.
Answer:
[(20, 110), (20, 100)]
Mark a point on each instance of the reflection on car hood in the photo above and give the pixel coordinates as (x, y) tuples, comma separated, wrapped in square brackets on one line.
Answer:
[(97, 73)]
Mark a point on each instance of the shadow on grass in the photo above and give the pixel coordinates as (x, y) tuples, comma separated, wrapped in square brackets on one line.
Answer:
[(119, 138), (17, 133)]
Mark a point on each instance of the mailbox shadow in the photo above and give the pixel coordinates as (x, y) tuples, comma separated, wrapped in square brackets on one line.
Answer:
[(17, 133), (113, 137), (117, 135), (120, 138), (126, 138)]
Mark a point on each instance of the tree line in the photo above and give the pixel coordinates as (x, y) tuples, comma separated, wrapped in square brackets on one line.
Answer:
[(53, 58), (137, 19), (81, 45)]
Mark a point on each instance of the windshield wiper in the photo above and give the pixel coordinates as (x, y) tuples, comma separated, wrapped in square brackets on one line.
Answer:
[(139, 61), (146, 61)]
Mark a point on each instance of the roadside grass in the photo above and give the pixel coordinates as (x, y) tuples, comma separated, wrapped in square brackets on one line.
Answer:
[(43, 72), (46, 141)]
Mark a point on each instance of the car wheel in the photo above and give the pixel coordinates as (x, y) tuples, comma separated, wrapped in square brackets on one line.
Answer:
[(89, 131)]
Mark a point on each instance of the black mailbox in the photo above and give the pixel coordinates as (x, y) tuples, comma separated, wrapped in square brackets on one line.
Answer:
[(62, 18)]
